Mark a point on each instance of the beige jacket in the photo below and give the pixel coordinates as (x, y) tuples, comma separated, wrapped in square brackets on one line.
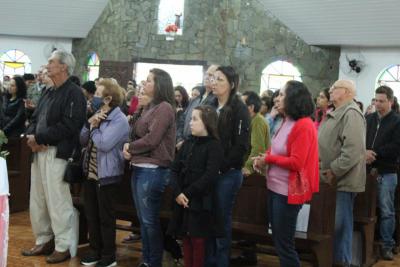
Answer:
[(342, 147)]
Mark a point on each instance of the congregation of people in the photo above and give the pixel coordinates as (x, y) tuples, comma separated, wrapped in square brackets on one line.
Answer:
[(203, 146)]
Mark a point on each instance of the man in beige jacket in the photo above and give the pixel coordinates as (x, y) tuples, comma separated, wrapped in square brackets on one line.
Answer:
[(342, 155)]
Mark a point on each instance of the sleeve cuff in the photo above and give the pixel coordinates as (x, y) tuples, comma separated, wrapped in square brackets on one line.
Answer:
[(269, 159), (39, 139)]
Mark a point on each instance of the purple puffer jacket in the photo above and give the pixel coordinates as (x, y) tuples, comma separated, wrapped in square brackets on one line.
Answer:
[(109, 140)]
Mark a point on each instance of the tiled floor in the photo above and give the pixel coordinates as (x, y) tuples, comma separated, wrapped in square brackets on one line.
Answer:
[(20, 236)]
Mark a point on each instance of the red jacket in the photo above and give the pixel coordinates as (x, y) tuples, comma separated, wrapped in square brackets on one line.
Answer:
[(133, 106), (301, 161)]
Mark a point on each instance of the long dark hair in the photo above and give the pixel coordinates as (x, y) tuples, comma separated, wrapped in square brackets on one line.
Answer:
[(163, 88), (395, 106), (320, 113), (298, 100), (233, 80), (209, 118), (21, 87), (184, 94)]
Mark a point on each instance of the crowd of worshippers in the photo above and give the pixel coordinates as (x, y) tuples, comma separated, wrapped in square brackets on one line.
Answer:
[(203, 147)]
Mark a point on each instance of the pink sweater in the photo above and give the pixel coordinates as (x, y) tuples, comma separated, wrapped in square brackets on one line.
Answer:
[(278, 177)]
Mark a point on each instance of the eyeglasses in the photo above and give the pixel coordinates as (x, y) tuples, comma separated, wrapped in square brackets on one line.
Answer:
[(333, 88), (210, 78)]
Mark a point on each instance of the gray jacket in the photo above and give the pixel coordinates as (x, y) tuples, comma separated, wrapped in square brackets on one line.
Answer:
[(342, 147)]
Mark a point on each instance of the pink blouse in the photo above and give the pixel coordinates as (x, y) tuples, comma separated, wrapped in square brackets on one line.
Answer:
[(277, 177)]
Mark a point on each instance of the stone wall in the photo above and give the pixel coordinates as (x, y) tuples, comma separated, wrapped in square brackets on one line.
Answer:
[(213, 30)]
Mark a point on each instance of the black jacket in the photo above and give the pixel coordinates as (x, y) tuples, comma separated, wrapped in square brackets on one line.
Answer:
[(65, 117), (193, 173), (13, 112), (383, 137), (233, 130)]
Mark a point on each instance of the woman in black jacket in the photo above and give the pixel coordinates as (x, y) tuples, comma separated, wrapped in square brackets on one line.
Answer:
[(233, 130), (13, 108), (193, 175)]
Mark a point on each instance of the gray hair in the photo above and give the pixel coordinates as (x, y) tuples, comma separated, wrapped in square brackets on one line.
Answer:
[(65, 58)]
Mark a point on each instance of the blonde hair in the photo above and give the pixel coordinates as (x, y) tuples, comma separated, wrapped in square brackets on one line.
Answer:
[(112, 88)]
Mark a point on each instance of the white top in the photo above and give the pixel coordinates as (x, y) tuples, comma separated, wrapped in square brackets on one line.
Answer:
[(4, 189), (145, 165)]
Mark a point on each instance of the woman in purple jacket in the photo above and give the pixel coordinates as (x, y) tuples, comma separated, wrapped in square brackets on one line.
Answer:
[(104, 136), (151, 152)]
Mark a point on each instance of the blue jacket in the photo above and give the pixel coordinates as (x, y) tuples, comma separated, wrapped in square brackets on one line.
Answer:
[(109, 140)]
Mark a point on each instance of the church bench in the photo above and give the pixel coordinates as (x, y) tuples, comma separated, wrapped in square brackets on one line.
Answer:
[(250, 221), (19, 173), (365, 219), (397, 209)]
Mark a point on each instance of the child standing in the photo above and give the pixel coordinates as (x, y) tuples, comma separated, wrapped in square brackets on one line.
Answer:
[(193, 174)]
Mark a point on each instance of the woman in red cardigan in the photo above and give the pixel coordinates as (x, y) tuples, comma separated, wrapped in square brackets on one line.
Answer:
[(292, 169)]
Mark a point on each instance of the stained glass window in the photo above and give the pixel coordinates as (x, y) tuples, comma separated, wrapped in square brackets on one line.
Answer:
[(390, 77), (170, 13), (93, 67), (276, 74), (14, 62)]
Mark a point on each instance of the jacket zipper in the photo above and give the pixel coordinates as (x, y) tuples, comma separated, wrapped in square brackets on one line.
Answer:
[(70, 111), (376, 133)]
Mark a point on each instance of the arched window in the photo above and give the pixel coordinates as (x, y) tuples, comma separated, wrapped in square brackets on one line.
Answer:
[(93, 67), (390, 77), (276, 74), (14, 62), (170, 13)]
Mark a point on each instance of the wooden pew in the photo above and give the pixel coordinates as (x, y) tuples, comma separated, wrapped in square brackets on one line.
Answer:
[(365, 220), (250, 221), (250, 217), (397, 209), (19, 173)]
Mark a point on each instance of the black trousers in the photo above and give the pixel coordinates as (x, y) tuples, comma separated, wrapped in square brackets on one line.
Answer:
[(99, 204)]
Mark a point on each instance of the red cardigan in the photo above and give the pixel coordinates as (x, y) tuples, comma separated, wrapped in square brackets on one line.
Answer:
[(301, 161)]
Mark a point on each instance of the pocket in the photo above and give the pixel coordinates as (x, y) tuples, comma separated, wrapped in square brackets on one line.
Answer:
[(389, 180)]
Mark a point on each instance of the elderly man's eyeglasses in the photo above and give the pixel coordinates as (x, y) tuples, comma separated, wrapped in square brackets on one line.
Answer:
[(333, 88), (209, 78)]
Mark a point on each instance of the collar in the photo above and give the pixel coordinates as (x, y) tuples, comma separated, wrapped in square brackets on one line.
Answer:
[(338, 112)]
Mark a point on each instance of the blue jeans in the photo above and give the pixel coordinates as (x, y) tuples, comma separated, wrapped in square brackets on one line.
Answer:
[(226, 189), (386, 190), (283, 217), (148, 185), (343, 227)]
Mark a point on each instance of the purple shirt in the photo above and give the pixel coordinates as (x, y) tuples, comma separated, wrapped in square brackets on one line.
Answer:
[(277, 178)]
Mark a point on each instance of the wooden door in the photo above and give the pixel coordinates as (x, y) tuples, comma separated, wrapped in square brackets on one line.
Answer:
[(119, 70)]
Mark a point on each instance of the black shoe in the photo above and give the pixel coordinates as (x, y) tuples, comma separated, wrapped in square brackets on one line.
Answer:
[(106, 263), (131, 238), (142, 264), (387, 255), (244, 260), (90, 258)]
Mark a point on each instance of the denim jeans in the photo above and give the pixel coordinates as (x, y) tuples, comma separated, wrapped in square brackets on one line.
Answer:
[(386, 190), (226, 189), (343, 227), (283, 217), (148, 185)]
